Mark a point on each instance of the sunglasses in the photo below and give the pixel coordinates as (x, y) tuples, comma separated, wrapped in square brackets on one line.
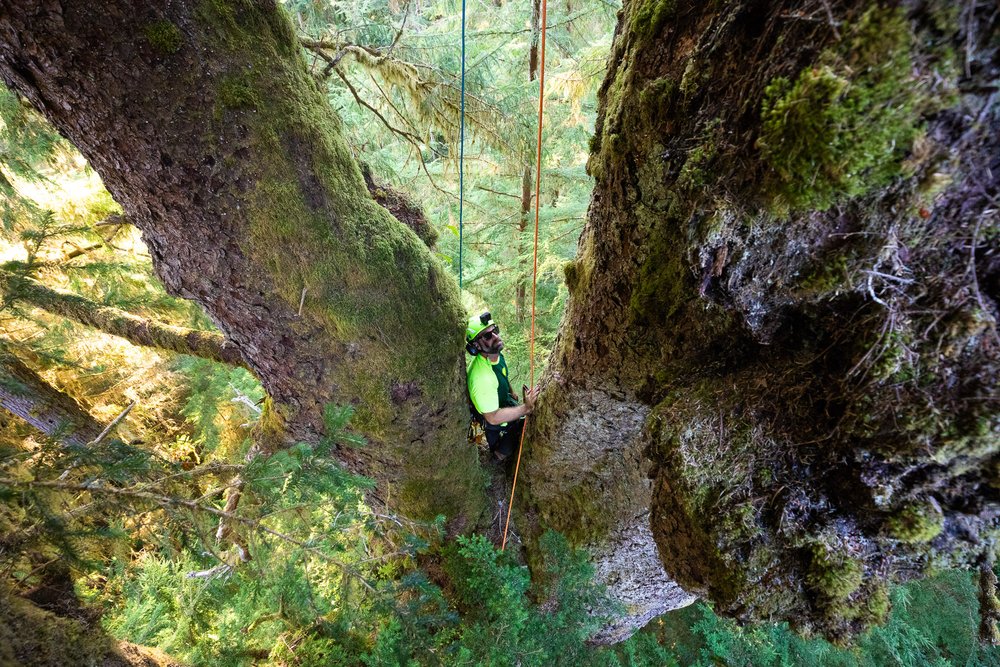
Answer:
[(489, 333)]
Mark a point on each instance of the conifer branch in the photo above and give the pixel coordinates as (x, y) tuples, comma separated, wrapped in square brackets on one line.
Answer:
[(435, 100), (402, 26), (79, 511), (410, 137), (135, 329), (96, 487)]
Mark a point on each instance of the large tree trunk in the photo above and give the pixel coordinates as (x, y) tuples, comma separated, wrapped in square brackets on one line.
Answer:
[(36, 637), (777, 374), (205, 126)]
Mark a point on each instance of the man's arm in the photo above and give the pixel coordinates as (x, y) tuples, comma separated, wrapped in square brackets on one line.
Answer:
[(501, 415)]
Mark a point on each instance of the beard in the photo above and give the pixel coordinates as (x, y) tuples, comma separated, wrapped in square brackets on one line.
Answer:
[(495, 348)]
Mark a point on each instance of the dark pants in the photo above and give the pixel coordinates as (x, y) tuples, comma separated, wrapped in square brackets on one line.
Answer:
[(504, 440)]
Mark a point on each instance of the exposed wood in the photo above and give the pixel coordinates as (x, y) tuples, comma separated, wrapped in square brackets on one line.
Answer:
[(110, 427)]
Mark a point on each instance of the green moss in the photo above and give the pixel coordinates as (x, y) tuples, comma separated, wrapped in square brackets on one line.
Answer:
[(827, 276), (650, 17), (944, 17), (323, 241), (696, 73), (832, 574), (440, 485), (241, 24), (163, 36), (579, 514), (704, 523), (655, 100), (695, 173), (611, 143), (664, 280), (311, 181), (915, 524), (878, 604), (237, 92), (571, 275), (30, 635), (895, 363), (842, 128)]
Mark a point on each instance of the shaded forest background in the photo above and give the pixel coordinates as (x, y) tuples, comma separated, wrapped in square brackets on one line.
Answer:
[(110, 535)]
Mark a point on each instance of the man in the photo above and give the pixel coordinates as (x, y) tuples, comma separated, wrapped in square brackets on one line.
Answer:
[(489, 388)]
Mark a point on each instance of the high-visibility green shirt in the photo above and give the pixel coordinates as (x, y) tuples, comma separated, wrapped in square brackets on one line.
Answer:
[(489, 387)]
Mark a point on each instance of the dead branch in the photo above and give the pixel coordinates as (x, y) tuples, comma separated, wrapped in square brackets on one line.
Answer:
[(114, 422)]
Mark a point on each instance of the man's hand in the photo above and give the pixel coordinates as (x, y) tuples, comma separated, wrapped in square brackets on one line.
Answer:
[(503, 415), (530, 396)]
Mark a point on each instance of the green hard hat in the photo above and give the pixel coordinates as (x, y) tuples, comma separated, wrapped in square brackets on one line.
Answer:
[(476, 325)]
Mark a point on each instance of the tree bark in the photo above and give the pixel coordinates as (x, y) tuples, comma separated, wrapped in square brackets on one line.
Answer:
[(777, 374), (205, 126), (117, 322), (56, 414)]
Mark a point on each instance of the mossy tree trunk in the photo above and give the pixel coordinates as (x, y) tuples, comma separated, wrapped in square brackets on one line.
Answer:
[(204, 123), (777, 375), (33, 635)]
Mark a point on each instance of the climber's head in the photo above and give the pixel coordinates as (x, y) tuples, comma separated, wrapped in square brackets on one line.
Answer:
[(482, 335)]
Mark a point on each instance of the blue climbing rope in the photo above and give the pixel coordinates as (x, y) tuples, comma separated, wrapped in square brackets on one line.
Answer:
[(461, 156)]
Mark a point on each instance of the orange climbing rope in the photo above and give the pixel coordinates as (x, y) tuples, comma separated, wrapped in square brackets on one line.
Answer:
[(534, 275)]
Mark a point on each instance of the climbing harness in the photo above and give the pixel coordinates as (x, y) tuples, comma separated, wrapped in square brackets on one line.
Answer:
[(538, 187)]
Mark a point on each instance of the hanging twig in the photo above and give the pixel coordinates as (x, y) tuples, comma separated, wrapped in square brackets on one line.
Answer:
[(114, 422), (497, 192), (975, 279), (388, 100), (302, 300), (399, 33), (410, 137)]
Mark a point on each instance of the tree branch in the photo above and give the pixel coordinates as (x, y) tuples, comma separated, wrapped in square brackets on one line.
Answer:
[(56, 414), (171, 501), (410, 137), (136, 330)]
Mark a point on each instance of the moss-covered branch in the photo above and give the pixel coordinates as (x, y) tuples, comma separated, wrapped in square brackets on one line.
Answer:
[(135, 329)]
